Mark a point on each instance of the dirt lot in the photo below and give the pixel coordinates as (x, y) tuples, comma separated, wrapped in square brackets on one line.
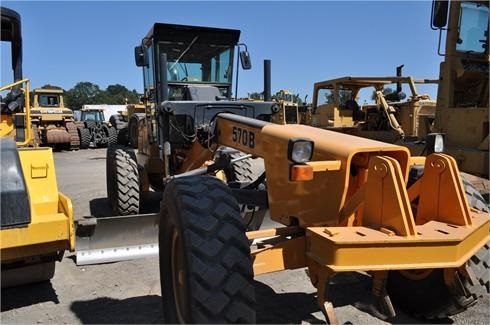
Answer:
[(129, 292)]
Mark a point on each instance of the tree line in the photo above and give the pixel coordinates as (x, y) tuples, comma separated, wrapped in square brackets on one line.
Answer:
[(86, 93)]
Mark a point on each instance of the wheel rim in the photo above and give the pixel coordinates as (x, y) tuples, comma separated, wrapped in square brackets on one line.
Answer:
[(178, 282)]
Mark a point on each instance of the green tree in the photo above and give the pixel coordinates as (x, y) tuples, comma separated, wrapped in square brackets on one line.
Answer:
[(82, 93), (256, 96), (117, 95)]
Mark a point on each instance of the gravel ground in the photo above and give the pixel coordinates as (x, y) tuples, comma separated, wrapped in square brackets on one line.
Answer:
[(129, 292)]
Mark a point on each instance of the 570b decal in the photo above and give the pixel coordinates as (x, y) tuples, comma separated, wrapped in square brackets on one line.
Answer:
[(243, 137)]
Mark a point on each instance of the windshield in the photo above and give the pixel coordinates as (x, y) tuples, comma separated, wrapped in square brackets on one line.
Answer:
[(48, 100), (473, 28), (197, 62), (93, 116)]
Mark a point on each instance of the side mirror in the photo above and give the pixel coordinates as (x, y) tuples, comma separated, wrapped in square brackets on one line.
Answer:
[(140, 57), (439, 13), (245, 60)]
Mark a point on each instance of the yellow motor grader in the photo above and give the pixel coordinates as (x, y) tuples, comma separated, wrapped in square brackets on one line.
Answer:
[(36, 220), (342, 203)]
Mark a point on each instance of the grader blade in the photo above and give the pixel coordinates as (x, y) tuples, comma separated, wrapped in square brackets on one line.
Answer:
[(118, 238)]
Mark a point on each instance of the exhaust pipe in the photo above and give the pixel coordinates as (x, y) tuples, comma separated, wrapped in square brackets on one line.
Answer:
[(267, 81), (399, 74)]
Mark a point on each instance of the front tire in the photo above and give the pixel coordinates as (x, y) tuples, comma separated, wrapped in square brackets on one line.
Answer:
[(205, 266), (123, 188)]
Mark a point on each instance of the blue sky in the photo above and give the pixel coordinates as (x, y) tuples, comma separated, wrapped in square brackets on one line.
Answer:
[(66, 42)]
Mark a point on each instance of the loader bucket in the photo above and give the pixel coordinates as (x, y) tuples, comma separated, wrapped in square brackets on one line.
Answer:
[(117, 239)]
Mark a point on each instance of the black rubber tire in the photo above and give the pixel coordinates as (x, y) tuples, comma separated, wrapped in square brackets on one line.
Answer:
[(133, 125), (90, 124), (479, 262), (205, 266), (122, 180), (475, 199), (243, 172), (111, 134), (427, 297), (84, 135), (111, 174), (117, 121), (122, 137), (242, 169)]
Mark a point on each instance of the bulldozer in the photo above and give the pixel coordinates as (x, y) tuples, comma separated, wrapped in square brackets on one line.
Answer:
[(36, 219), (392, 117), (341, 203), (52, 122)]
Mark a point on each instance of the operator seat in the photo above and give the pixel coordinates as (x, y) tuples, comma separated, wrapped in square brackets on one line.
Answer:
[(357, 114)]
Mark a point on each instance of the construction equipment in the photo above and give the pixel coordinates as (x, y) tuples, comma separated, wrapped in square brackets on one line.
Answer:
[(393, 117), (36, 220), (126, 124), (342, 202), (462, 97), (94, 130), (290, 110), (52, 122)]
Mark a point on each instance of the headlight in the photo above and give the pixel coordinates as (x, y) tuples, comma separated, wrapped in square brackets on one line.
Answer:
[(435, 142), (300, 150)]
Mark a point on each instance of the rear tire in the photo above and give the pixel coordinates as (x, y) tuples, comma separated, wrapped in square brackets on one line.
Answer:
[(205, 267), (243, 172), (122, 136), (122, 179), (111, 134), (479, 262), (133, 131), (84, 135)]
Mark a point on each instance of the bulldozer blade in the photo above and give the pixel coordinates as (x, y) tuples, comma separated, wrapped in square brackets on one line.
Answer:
[(118, 238)]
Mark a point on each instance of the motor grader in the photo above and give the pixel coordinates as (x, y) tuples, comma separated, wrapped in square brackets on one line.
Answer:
[(36, 219), (342, 203), (52, 122)]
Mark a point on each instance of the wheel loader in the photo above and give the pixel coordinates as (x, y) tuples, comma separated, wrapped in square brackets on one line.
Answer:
[(36, 219), (341, 203), (52, 122)]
